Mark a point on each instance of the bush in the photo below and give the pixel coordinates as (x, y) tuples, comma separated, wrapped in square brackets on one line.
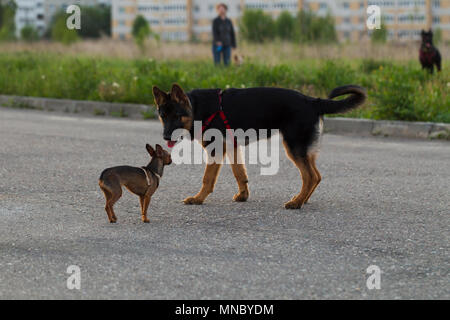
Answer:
[(371, 65), (29, 34), (141, 31), (286, 26), (256, 26), (95, 22), (380, 35), (7, 23), (313, 28), (59, 30), (395, 91), (333, 75)]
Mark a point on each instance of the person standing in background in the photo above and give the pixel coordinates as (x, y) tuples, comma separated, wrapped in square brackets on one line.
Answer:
[(223, 36)]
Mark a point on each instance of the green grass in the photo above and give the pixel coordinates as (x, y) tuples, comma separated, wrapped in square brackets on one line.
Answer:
[(396, 91)]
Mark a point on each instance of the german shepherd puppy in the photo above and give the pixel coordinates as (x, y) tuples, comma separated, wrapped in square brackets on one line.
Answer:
[(299, 119), (429, 55)]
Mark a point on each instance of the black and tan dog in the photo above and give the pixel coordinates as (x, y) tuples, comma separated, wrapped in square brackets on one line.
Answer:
[(429, 55), (141, 181), (298, 118)]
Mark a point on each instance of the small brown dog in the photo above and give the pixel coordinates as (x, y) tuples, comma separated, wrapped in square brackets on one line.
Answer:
[(141, 181), (238, 59)]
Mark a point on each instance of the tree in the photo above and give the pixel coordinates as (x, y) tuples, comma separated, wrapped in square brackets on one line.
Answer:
[(380, 35), (437, 36), (7, 23), (285, 26), (29, 34), (141, 31), (95, 22), (256, 26), (312, 28), (59, 30)]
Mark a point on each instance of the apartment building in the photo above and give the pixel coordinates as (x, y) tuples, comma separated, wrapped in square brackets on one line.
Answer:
[(39, 13), (182, 20)]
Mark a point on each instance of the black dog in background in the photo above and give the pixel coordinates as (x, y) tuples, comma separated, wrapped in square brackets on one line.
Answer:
[(428, 54)]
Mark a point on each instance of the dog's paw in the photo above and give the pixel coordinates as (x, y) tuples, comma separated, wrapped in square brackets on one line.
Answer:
[(293, 205), (145, 220), (193, 200), (113, 221), (241, 196)]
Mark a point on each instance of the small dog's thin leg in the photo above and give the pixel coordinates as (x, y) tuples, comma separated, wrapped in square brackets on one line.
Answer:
[(145, 204), (116, 194), (141, 202), (108, 197)]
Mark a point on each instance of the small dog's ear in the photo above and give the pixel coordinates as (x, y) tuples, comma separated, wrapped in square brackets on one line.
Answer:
[(159, 150), (160, 96), (423, 32), (150, 150), (178, 95)]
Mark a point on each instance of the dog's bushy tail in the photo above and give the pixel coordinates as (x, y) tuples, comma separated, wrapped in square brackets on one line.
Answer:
[(357, 98)]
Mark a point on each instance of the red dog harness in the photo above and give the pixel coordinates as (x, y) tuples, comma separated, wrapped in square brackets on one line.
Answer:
[(427, 56), (222, 116)]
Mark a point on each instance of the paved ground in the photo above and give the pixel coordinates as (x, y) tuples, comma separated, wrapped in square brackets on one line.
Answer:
[(382, 202)]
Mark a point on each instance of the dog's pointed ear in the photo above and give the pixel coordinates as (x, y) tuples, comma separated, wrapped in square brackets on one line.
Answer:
[(150, 150), (159, 150), (423, 32), (160, 96), (178, 95)]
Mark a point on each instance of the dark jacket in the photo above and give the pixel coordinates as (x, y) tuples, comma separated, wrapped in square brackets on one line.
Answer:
[(223, 31)]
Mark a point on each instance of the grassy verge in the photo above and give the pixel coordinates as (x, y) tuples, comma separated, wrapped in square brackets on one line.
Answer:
[(400, 91)]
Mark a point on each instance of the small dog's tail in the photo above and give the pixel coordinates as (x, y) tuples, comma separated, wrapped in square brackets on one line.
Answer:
[(357, 98)]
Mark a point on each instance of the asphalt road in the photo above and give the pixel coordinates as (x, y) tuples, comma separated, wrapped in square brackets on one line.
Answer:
[(382, 202)]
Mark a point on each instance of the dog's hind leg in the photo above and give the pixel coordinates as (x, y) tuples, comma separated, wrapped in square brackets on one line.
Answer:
[(309, 179), (317, 178), (116, 192), (240, 173), (108, 197)]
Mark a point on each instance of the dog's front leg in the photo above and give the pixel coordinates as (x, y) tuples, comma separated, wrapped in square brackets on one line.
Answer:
[(209, 180)]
